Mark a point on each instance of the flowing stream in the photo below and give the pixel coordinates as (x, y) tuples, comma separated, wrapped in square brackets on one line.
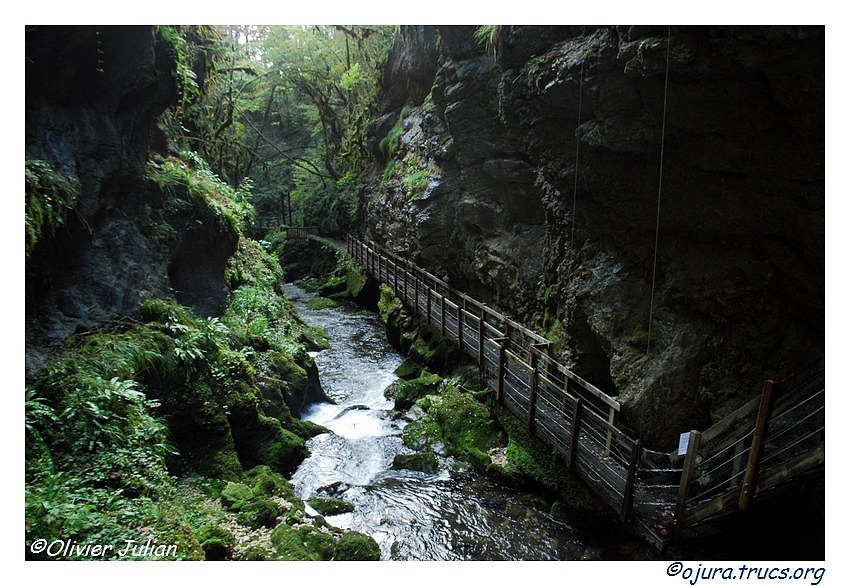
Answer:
[(455, 514)]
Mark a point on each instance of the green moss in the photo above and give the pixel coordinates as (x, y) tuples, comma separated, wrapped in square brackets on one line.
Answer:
[(255, 553), (458, 421), (216, 542), (321, 303), (408, 370), (236, 492), (355, 546), (291, 546), (534, 459), (407, 392), (423, 462), (330, 506), (259, 513), (319, 543), (265, 481)]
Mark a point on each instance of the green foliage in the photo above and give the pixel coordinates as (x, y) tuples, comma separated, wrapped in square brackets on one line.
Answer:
[(640, 336), (49, 196), (486, 35), (191, 185), (389, 144)]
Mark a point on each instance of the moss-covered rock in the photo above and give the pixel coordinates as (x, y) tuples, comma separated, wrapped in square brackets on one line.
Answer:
[(459, 422), (255, 553), (408, 370), (423, 462), (216, 542), (236, 492), (265, 481), (330, 506), (407, 392), (321, 303), (355, 546), (534, 459), (259, 513), (306, 543)]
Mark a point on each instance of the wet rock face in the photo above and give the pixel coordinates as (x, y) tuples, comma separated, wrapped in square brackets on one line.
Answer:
[(92, 97), (549, 202)]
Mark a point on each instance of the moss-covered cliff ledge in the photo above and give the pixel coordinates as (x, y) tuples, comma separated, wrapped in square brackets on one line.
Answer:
[(123, 408)]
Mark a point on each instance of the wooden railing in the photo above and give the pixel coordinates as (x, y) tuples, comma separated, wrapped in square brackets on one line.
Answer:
[(663, 496), (292, 232)]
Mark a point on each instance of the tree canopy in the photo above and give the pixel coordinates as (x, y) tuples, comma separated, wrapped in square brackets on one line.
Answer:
[(286, 106)]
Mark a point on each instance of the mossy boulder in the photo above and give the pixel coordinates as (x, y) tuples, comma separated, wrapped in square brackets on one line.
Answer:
[(236, 492), (458, 421), (255, 553), (330, 506), (407, 392), (356, 546), (216, 542), (408, 370), (321, 303), (259, 513), (265, 481), (261, 440), (424, 462), (306, 543)]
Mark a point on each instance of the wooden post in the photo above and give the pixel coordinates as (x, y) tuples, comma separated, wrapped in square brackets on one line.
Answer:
[(575, 430), (748, 487), (612, 420), (481, 340), (687, 471), (428, 304), (416, 295), (500, 390), (459, 312), (629, 490), (395, 277), (442, 315), (532, 386)]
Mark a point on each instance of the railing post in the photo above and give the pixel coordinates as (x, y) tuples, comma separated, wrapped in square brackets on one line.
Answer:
[(500, 388), (415, 295), (629, 490), (575, 430), (443, 315), (459, 312), (612, 420), (428, 304), (687, 471), (748, 487), (481, 339), (532, 386)]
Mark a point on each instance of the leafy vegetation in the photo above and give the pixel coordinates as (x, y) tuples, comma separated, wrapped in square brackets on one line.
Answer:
[(288, 107), (50, 194), (100, 458)]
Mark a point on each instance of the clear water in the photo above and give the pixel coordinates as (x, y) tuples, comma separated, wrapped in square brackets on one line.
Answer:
[(455, 514)]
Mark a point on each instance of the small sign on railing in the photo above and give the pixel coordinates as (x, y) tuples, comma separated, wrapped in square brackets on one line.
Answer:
[(684, 439)]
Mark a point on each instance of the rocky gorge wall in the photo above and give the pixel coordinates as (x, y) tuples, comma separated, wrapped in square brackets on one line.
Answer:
[(93, 100), (677, 286)]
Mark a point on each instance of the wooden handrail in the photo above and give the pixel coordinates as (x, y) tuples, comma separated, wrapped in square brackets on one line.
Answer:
[(591, 439)]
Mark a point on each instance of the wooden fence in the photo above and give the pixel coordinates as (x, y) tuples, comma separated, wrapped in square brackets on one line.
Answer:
[(751, 451)]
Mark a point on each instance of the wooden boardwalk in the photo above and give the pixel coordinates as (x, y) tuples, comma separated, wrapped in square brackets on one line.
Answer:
[(761, 447)]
